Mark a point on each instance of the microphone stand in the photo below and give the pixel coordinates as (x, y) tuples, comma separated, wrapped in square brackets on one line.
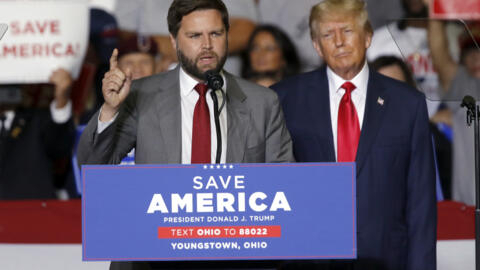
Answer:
[(473, 114), (215, 82), (216, 112)]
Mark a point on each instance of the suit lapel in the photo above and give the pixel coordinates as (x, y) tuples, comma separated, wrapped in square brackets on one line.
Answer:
[(169, 116), (237, 121), (319, 106), (374, 112)]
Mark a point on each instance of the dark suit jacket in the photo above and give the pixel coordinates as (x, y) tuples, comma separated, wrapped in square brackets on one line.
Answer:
[(34, 142), (396, 206)]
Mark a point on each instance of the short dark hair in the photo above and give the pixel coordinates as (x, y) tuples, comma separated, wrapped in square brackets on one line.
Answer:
[(181, 8)]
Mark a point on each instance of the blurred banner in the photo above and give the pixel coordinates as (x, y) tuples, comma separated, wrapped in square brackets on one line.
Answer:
[(42, 36), (455, 9)]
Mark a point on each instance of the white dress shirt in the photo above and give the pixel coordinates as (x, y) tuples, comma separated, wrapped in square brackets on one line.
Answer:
[(188, 100), (336, 93)]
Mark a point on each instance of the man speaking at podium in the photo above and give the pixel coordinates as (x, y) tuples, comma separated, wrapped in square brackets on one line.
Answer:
[(347, 112), (170, 117)]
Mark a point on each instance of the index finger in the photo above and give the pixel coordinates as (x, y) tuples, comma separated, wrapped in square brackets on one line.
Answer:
[(113, 59)]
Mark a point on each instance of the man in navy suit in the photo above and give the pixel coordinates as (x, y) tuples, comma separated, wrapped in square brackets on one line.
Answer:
[(347, 112)]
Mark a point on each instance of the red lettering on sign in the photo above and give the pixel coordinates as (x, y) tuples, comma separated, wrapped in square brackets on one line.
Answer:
[(69, 50), (9, 50), (26, 50), (55, 49), (35, 27), (36, 50)]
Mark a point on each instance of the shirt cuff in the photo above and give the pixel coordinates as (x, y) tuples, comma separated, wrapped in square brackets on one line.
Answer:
[(101, 126), (61, 115)]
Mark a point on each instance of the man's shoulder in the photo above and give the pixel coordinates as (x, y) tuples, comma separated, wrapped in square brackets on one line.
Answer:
[(250, 89), (300, 83), (300, 79), (156, 77), (153, 83), (397, 90)]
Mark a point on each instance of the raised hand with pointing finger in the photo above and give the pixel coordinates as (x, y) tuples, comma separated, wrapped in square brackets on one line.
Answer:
[(115, 88)]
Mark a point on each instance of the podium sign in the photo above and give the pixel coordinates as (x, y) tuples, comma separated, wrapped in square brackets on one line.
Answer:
[(219, 212)]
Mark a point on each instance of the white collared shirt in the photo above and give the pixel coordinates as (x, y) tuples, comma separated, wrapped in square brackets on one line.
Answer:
[(7, 123), (359, 96), (188, 100)]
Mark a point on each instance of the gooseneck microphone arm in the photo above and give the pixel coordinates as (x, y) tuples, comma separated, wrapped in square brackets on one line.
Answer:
[(215, 82), (218, 129)]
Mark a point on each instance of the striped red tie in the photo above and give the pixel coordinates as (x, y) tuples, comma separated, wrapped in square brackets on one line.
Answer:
[(201, 149), (348, 126)]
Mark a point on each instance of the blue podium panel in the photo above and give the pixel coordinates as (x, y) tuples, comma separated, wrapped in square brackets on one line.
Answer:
[(219, 212)]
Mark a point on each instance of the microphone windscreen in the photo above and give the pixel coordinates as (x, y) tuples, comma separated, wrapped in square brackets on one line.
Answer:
[(469, 102), (214, 80)]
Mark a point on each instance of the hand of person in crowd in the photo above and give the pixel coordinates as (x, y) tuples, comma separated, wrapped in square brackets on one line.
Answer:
[(115, 88), (62, 80), (443, 116), (443, 62)]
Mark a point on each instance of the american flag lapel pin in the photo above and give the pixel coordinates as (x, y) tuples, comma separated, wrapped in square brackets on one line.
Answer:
[(380, 101)]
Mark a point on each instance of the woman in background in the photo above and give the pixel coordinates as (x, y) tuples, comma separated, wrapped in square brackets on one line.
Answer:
[(270, 56)]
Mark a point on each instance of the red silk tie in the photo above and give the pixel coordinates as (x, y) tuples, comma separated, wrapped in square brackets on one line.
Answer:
[(201, 149), (348, 129)]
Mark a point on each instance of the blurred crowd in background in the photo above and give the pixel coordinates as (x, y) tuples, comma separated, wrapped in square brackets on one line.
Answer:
[(268, 40)]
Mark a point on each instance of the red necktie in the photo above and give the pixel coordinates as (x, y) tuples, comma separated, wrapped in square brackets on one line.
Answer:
[(348, 126), (201, 150)]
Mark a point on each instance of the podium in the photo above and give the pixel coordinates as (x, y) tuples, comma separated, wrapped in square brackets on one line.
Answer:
[(219, 212)]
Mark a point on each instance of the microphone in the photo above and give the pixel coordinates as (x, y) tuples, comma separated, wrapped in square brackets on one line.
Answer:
[(214, 80), (469, 102)]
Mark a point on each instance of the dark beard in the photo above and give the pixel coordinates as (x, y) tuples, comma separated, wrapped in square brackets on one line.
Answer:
[(190, 67)]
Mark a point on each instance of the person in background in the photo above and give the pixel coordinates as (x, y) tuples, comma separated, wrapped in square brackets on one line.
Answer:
[(103, 39), (142, 17), (270, 56), (396, 68), (407, 39), (138, 53), (31, 140), (347, 112), (458, 79)]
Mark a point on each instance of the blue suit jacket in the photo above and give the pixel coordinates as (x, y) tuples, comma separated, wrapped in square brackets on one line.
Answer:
[(396, 206)]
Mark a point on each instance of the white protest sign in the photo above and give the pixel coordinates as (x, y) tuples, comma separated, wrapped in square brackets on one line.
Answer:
[(42, 36), (107, 5)]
